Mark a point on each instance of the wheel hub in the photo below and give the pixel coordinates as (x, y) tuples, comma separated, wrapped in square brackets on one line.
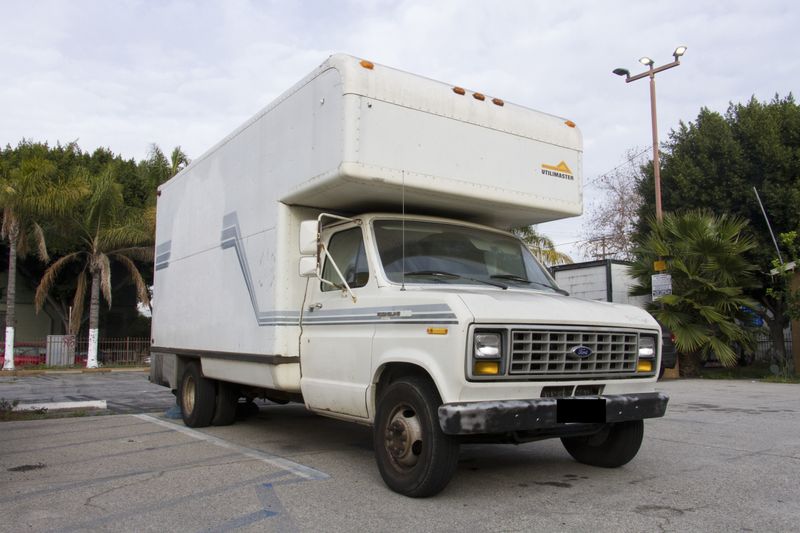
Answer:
[(404, 437), (188, 395)]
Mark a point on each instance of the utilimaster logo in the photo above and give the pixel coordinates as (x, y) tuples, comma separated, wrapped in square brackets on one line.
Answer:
[(561, 170)]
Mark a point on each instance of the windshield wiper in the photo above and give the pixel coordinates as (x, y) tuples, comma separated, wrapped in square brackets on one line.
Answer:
[(450, 275), (512, 277)]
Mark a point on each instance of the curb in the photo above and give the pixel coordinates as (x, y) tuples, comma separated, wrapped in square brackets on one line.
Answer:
[(56, 406), (22, 373)]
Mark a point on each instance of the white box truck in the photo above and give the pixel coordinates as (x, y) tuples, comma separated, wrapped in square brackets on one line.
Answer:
[(347, 248)]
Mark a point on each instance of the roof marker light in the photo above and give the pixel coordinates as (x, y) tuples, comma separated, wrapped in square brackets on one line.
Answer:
[(478, 96), (497, 101), (459, 90), (369, 65), (569, 123)]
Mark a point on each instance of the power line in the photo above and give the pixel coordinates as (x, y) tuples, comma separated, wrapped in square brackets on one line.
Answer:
[(627, 162)]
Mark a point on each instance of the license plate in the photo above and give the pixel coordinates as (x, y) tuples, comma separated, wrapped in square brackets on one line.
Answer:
[(581, 410)]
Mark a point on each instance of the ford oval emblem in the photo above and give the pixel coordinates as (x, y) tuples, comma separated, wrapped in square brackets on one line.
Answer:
[(582, 351)]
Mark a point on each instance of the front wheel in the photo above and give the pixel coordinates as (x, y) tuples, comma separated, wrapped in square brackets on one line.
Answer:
[(414, 457), (614, 446)]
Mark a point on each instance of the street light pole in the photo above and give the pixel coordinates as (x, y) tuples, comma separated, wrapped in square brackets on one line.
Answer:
[(656, 160), (651, 73)]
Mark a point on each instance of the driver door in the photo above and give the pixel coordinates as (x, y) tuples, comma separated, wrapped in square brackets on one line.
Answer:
[(336, 338)]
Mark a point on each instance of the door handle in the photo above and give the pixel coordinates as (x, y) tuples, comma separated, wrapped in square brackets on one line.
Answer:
[(313, 307)]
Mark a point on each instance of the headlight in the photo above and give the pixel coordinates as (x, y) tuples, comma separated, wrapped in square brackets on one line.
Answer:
[(488, 346), (647, 347)]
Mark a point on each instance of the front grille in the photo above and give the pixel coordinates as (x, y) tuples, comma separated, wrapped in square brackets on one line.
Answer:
[(550, 353)]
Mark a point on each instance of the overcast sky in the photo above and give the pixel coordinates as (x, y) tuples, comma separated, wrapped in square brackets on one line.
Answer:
[(125, 74)]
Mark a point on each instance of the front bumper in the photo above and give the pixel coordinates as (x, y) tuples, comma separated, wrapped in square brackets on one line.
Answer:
[(493, 417)]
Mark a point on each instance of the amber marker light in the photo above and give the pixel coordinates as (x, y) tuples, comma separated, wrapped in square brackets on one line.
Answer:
[(486, 368), (459, 90), (478, 96), (497, 101), (570, 123), (644, 366), (369, 65), (437, 331)]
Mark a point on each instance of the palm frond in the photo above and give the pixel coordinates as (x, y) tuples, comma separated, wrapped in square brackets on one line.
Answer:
[(138, 281), (145, 254), (49, 278), (105, 277), (39, 240), (178, 161), (78, 301), (105, 202), (541, 246)]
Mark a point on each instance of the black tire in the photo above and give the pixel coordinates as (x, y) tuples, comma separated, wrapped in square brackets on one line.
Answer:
[(225, 409), (613, 447), (197, 397), (414, 457)]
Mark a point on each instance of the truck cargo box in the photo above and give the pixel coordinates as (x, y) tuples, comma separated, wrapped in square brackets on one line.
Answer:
[(352, 136)]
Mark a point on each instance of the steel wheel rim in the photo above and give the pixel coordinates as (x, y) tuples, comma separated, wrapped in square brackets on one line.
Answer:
[(188, 395), (403, 437)]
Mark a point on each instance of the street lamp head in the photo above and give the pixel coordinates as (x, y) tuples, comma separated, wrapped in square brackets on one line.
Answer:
[(679, 52), (621, 72), (646, 61)]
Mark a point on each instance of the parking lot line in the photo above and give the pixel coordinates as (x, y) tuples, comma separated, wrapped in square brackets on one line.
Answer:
[(297, 469)]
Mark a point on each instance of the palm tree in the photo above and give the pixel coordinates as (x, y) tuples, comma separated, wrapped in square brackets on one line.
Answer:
[(541, 246), (159, 169), (28, 194), (108, 230), (705, 258)]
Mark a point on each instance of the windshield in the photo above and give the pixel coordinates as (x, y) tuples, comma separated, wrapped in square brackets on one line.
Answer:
[(448, 253)]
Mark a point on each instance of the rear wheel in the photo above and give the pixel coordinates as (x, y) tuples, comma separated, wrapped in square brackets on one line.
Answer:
[(614, 446), (414, 457), (225, 409), (197, 396)]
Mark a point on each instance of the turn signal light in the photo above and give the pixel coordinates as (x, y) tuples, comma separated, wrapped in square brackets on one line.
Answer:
[(644, 366), (487, 368)]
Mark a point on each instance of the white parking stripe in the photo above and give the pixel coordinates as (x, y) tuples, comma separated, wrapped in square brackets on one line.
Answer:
[(303, 471)]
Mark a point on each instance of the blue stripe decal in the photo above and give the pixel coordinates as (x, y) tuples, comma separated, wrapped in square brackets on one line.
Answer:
[(231, 237), (163, 251)]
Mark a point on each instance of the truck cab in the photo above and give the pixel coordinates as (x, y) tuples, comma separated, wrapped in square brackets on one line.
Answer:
[(499, 351)]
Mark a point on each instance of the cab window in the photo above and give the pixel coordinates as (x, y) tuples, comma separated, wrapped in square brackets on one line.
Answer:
[(347, 249)]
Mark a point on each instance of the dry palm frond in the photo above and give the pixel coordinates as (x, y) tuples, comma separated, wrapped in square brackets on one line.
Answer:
[(11, 223), (77, 304), (23, 245), (141, 286), (49, 278), (8, 217), (105, 277), (41, 245)]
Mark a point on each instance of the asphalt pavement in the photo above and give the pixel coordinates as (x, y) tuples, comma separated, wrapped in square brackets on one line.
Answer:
[(725, 458)]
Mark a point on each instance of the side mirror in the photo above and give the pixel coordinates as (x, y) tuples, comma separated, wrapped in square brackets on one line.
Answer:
[(309, 230), (308, 266)]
